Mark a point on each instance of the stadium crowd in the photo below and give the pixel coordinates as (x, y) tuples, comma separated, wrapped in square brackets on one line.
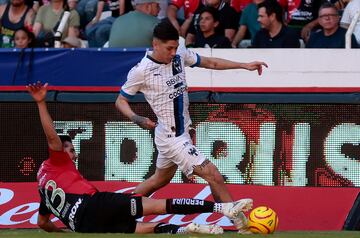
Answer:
[(202, 23)]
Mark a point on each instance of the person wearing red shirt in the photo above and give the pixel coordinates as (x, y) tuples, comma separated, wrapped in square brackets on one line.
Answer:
[(239, 5), (189, 6), (82, 208)]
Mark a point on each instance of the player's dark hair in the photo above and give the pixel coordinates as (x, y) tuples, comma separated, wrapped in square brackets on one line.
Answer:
[(65, 138), (165, 31), (212, 11), (272, 6)]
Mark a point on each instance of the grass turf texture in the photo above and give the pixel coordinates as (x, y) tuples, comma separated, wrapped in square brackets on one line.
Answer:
[(35, 233)]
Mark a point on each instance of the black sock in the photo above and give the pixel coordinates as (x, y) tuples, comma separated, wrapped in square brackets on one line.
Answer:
[(166, 228), (188, 206)]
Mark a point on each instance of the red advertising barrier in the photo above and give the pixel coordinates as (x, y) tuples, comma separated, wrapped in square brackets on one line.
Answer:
[(298, 208)]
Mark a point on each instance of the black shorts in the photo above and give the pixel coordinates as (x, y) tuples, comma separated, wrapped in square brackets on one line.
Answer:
[(106, 212)]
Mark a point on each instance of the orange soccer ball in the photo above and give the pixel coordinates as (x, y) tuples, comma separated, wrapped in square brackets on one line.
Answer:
[(263, 220)]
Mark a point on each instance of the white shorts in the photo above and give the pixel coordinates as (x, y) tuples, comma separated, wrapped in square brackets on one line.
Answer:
[(178, 151)]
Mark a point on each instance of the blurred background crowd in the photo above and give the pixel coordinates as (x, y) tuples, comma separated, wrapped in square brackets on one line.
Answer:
[(202, 23)]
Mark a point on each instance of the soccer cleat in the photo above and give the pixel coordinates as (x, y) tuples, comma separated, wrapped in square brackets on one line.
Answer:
[(233, 209), (204, 229)]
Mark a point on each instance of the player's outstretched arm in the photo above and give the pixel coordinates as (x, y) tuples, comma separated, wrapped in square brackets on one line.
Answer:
[(38, 93), (218, 63), (123, 106)]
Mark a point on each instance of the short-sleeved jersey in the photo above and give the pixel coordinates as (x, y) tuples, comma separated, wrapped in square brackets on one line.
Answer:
[(62, 188), (165, 89)]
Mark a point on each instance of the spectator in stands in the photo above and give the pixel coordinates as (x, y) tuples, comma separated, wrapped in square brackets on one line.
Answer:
[(98, 31), (134, 29), (302, 15), (24, 38), (273, 33), (71, 42), (248, 23), (189, 7), (49, 17), (13, 16), (207, 36), (117, 8), (331, 35), (349, 13), (239, 5), (228, 21), (72, 4)]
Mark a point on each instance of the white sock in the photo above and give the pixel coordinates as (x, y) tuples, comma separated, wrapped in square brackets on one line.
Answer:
[(218, 207), (181, 230)]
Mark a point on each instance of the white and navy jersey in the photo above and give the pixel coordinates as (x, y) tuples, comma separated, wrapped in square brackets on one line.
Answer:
[(165, 89)]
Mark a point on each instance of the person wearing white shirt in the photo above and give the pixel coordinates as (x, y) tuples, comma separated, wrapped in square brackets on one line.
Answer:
[(350, 11), (160, 76)]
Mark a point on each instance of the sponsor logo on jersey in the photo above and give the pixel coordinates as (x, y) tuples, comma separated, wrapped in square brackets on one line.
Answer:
[(179, 91), (66, 208), (73, 212), (193, 151), (174, 80)]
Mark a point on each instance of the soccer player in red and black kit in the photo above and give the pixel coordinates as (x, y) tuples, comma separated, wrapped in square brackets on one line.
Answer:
[(82, 208)]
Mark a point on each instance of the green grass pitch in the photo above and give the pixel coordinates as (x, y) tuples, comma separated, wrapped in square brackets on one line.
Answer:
[(35, 233)]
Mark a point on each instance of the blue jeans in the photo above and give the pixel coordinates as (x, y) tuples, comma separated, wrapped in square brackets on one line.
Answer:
[(87, 11), (99, 33)]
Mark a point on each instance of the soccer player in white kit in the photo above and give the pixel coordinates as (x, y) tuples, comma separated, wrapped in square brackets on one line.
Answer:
[(160, 76)]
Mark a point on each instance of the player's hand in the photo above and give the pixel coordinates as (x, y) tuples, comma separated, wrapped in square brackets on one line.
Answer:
[(256, 65), (143, 122), (37, 91)]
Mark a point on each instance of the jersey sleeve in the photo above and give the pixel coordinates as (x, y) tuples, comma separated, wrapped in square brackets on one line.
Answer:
[(43, 210), (134, 82), (191, 58)]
